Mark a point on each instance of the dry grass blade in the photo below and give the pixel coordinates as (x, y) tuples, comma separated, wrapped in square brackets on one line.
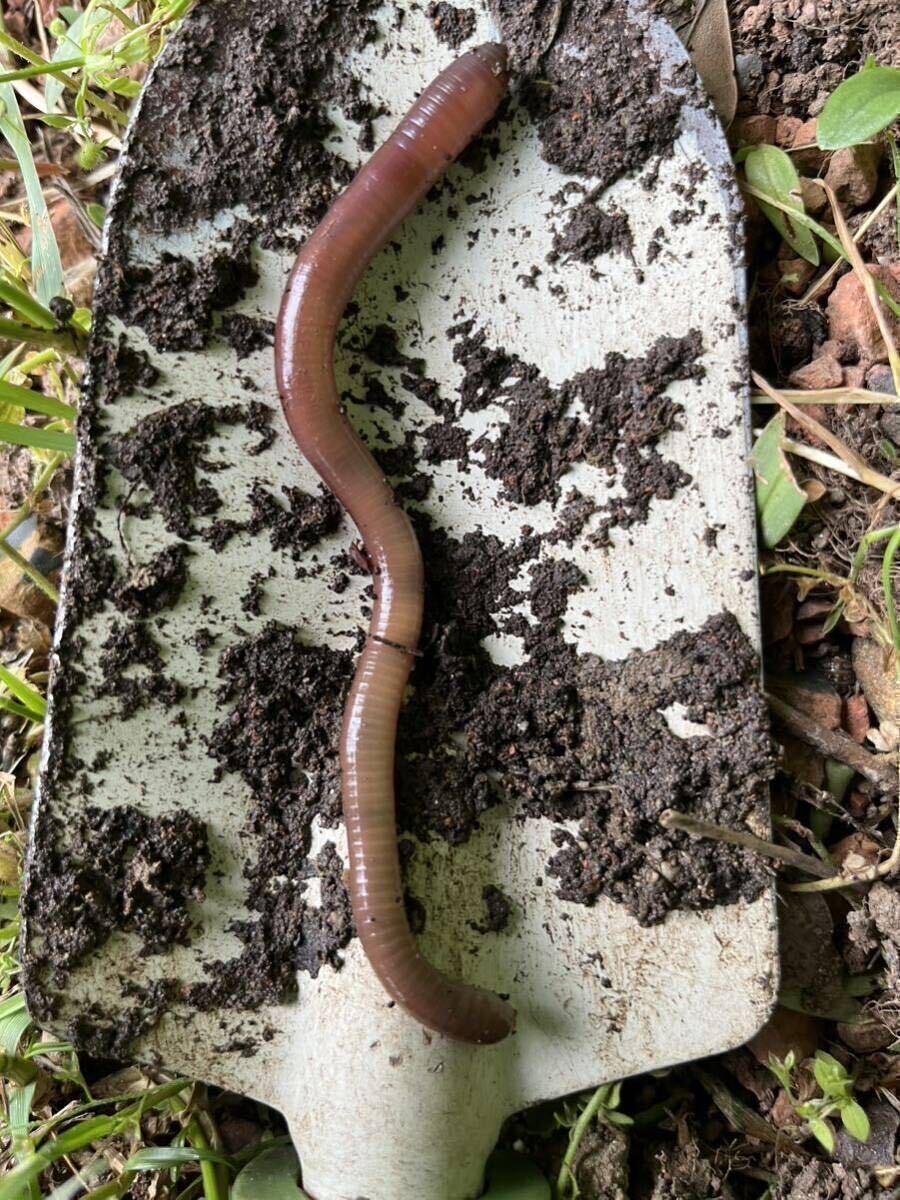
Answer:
[(867, 280), (710, 48), (884, 483), (811, 425), (839, 395), (820, 284)]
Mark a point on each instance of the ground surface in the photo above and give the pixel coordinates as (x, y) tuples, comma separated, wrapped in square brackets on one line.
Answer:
[(728, 1128)]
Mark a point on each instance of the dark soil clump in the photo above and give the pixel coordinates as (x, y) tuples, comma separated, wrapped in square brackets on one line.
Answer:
[(134, 672), (164, 452), (280, 734), (592, 231), (498, 911), (261, 78), (627, 412), (124, 369), (173, 300), (602, 111), (121, 869), (156, 585), (451, 24), (246, 334)]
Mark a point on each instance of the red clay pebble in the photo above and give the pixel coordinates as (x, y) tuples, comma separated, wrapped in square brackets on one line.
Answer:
[(813, 195), (853, 174), (752, 131), (795, 275), (856, 717), (851, 320), (786, 130), (806, 156), (824, 372)]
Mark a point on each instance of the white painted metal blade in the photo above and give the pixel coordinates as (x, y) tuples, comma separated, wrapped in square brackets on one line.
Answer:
[(418, 1113)]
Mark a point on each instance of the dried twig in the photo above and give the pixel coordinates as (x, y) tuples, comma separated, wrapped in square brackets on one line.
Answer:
[(748, 841), (834, 744)]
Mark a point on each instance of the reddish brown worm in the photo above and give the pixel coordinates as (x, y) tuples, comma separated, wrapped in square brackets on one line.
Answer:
[(447, 116)]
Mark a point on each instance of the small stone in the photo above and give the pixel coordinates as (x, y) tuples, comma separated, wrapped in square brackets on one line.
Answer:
[(786, 130), (752, 131), (829, 349), (855, 852), (867, 1036), (853, 174), (818, 375), (813, 195), (881, 379), (852, 321), (795, 275), (806, 156), (750, 73), (856, 717), (876, 676), (814, 698), (854, 375), (890, 425)]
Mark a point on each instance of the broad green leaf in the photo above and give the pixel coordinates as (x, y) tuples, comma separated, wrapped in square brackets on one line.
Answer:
[(46, 266), (55, 440), (271, 1175), (512, 1176), (160, 1158), (14, 1020), (860, 108), (772, 172), (855, 1121), (779, 498), (32, 699), (822, 1132)]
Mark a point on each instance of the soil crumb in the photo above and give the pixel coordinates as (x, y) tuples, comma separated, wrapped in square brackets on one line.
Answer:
[(280, 734), (591, 231), (156, 585), (498, 910), (627, 412), (164, 453), (120, 869), (452, 25), (591, 85), (173, 300), (133, 670)]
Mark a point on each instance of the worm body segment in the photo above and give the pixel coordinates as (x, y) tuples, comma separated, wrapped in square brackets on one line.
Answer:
[(446, 117)]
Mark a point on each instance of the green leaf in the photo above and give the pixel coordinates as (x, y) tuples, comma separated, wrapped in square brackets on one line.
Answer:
[(772, 172), (855, 1121), (831, 1076), (271, 1175), (46, 266), (512, 1176), (860, 108), (822, 1132), (779, 498), (161, 1158), (32, 699), (42, 439)]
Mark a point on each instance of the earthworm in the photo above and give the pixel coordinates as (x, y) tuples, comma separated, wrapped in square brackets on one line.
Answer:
[(447, 116)]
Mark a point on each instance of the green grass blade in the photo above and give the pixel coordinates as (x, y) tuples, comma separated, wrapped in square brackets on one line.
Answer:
[(42, 439), (25, 305), (23, 691), (46, 266), (37, 402)]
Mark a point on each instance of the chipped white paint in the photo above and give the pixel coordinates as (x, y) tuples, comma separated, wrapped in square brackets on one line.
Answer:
[(378, 1108)]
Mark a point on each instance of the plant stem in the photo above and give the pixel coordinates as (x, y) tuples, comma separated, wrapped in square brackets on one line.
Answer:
[(887, 568), (839, 395), (27, 568), (25, 305), (749, 841), (833, 744), (212, 1188), (875, 479), (566, 1173), (860, 233), (13, 331), (42, 483)]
